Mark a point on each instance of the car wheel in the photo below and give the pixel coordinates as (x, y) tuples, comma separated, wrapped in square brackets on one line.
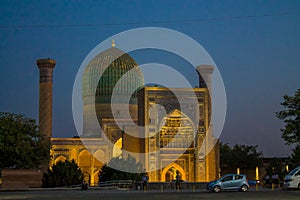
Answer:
[(217, 188), (299, 186), (244, 188)]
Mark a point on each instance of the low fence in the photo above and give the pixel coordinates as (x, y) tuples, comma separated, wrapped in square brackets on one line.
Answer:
[(119, 184), (129, 184)]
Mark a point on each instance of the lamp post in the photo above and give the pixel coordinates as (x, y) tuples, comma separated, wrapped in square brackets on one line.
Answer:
[(257, 177)]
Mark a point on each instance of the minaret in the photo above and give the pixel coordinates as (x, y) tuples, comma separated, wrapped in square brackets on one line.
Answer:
[(205, 76), (212, 143), (46, 67)]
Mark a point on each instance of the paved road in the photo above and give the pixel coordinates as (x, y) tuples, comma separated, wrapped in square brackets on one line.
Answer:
[(150, 195)]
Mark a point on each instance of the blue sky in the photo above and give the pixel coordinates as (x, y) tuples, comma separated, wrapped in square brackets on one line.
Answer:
[(255, 45)]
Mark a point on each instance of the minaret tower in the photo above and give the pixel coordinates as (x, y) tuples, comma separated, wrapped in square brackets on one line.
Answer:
[(205, 78), (46, 67), (212, 143)]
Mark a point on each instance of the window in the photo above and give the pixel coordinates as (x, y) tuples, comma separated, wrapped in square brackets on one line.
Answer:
[(237, 177), (227, 178)]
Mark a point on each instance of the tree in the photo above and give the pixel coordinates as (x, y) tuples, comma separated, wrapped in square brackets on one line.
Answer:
[(239, 156), (295, 158), (63, 174), (21, 144), (110, 170), (291, 118), (225, 156), (276, 166)]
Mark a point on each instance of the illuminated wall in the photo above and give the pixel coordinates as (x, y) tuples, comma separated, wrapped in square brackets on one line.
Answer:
[(170, 135)]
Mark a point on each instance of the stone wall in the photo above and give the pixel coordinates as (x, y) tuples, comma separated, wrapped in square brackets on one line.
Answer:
[(21, 178)]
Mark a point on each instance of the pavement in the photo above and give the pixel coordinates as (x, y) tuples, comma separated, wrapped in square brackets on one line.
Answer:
[(61, 194)]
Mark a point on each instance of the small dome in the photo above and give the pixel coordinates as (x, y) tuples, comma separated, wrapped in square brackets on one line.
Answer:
[(119, 64)]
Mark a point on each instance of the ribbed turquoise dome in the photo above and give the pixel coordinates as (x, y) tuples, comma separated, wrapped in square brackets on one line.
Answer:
[(119, 64)]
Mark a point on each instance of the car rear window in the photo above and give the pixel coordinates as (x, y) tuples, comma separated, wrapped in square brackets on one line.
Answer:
[(237, 177)]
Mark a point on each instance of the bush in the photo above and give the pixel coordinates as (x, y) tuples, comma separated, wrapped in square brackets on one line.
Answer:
[(63, 174), (110, 170)]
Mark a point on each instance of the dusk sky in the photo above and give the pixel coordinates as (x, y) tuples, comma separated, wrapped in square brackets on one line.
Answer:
[(255, 45)]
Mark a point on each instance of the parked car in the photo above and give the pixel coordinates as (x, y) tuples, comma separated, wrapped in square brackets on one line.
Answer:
[(292, 180), (229, 182)]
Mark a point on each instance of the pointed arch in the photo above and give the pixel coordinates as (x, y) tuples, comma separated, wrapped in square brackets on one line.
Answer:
[(84, 159), (60, 158), (73, 155), (99, 158), (176, 167), (176, 130)]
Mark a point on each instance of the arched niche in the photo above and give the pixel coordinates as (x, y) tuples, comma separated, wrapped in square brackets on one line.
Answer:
[(84, 159), (176, 131), (60, 158), (73, 155), (99, 158)]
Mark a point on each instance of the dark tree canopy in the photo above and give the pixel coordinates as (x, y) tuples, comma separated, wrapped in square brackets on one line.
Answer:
[(21, 145), (276, 166), (295, 158), (109, 171), (291, 118), (239, 156), (63, 174)]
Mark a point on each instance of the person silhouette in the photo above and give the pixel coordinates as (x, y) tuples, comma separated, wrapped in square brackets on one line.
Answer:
[(144, 181), (178, 179)]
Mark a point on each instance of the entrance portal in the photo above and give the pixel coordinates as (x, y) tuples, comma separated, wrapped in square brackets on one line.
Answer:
[(169, 172)]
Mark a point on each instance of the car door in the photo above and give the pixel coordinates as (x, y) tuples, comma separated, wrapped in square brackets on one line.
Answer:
[(227, 182), (297, 179), (237, 182)]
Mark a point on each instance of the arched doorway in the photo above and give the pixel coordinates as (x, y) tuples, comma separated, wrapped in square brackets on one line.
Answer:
[(170, 175), (169, 172)]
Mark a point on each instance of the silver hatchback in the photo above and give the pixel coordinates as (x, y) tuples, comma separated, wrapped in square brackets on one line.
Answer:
[(229, 182)]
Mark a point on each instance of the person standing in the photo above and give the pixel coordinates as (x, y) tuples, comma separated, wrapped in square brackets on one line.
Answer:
[(178, 179), (144, 181), (84, 185)]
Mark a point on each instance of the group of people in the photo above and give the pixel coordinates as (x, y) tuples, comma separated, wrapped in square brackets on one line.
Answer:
[(177, 181), (269, 180)]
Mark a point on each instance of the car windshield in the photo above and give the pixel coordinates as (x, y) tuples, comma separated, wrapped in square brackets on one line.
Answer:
[(293, 171)]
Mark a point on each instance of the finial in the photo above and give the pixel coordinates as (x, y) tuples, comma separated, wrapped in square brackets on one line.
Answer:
[(113, 43)]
